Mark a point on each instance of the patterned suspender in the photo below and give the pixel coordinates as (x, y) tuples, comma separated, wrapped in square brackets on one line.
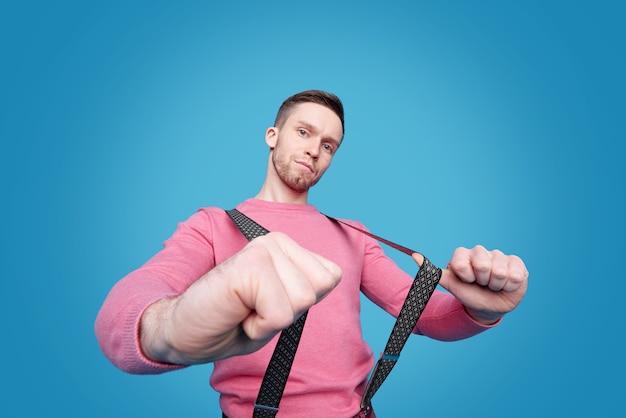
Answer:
[(277, 373)]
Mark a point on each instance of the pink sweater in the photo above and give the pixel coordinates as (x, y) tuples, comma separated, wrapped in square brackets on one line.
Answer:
[(332, 363)]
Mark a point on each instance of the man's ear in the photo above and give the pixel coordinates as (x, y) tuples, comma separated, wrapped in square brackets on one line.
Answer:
[(271, 137)]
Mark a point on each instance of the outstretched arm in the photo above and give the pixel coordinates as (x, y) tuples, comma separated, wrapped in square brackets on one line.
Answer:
[(237, 307)]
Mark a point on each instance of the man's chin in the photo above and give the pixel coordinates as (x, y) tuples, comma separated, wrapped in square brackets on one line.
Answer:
[(301, 187)]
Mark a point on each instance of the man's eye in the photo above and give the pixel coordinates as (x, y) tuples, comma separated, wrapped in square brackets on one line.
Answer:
[(328, 148), (302, 132)]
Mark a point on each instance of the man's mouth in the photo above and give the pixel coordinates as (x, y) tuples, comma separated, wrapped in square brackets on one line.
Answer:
[(305, 164)]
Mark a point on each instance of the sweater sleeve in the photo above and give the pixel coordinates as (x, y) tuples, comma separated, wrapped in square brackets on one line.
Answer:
[(387, 285), (186, 256)]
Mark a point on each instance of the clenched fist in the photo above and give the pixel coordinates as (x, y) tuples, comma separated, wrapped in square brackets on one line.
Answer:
[(238, 306)]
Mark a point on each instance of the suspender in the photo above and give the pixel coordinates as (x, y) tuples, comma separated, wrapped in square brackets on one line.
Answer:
[(277, 373)]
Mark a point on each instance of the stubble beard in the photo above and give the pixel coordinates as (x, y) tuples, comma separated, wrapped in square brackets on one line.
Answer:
[(297, 182)]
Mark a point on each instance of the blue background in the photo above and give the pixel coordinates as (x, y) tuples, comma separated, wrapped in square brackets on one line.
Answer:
[(500, 123)]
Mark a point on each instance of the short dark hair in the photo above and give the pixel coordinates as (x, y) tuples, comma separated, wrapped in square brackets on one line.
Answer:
[(310, 96)]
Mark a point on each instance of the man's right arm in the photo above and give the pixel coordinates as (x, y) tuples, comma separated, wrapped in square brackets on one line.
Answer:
[(238, 306)]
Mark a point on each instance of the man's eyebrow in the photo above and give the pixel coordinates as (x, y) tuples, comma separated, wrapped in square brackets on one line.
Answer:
[(307, 125)]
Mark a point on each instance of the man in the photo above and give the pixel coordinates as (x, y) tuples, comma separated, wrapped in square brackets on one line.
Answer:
[(210, 296)]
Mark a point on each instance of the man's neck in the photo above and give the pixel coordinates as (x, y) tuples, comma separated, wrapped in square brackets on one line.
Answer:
[(282, 195)]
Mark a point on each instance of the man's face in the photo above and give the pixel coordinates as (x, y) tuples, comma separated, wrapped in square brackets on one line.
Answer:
[(303, 148)]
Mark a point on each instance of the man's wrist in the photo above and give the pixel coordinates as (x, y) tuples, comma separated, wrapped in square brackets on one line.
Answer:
[(483, 318)]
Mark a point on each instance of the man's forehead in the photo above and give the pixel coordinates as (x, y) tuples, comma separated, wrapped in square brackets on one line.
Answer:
[(316, 115)]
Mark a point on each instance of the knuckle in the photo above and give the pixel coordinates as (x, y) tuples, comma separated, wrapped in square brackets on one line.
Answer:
[(335, 273), (497, 253), (500, 273), (256, 253), (278, 237), (479, 248), (519, 278), (328, 278), (304, 300), (460, 251), (482, 266)]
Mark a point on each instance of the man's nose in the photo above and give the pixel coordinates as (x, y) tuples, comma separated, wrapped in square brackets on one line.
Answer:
[(313, 149)]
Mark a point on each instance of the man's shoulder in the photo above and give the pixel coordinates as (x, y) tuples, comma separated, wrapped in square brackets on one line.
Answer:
[(205, 217)]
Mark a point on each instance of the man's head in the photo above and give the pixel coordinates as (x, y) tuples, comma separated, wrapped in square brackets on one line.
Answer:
[(320, 97), (307, 132)]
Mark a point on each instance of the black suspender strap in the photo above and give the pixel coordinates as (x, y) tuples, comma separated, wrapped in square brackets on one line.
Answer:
[(277, 372), (422, 288), (420, 292)]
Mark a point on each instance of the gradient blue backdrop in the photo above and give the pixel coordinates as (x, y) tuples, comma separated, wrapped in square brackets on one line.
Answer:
[(121, 118)]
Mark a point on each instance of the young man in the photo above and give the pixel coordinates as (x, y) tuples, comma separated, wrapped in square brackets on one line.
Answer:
[(210, 296)]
